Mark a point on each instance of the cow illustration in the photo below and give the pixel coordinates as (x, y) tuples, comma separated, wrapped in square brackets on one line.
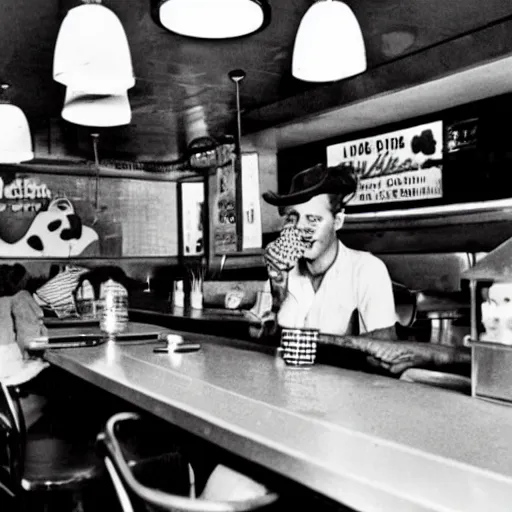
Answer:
[(57, 232)]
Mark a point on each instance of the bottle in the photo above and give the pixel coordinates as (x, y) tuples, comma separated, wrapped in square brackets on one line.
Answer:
[(178, 298), (114, 315)]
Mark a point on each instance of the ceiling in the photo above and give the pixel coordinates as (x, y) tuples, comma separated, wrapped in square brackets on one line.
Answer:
[(182, 84)]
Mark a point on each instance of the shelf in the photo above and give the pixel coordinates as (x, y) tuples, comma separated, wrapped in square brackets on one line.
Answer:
[(476, 212), (89, 169)]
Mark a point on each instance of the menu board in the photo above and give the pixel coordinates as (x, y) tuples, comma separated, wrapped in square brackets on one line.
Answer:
[(403, 165), (224, 215), (69, 216), (192, 202), (251, 231)]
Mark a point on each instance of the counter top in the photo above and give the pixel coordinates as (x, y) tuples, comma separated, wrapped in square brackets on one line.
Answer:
[(204, 315), (369, 442), (148, 308), (149, 303)]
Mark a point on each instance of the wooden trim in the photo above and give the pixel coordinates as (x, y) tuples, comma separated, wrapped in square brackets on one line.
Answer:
[(104, 172), (475, 212)]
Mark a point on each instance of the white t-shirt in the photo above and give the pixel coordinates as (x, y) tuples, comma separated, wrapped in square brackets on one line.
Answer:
[(356, 280)]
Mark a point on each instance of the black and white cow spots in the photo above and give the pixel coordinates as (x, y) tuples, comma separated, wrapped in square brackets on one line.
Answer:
[(56, 232), (53, 226), (35, 242)]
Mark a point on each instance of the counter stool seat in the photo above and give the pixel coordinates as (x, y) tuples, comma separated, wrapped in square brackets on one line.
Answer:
[(41, 462), (134, 494), (57, 464)]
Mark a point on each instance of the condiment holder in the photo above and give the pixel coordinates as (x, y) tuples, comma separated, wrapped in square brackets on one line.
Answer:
[(197, 275)]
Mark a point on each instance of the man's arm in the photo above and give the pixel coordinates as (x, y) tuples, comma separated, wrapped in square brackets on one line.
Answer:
[(386, 333), (385, 350)]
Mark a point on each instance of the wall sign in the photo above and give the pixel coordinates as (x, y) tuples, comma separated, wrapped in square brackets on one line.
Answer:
[(404, 165), (37, 223), (251, 231), (57, 216), (224, 214), (462, 135), (192, 201), (23, 194)]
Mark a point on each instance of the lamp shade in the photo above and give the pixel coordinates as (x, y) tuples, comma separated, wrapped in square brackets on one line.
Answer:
[(329, 44), (92, 52), (96, 110), (15, 139), (213, 19)]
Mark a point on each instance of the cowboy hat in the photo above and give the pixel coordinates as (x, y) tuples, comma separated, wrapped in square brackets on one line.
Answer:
[(316, 180)]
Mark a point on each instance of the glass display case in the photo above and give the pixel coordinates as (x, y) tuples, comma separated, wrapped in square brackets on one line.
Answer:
[(490, 281)]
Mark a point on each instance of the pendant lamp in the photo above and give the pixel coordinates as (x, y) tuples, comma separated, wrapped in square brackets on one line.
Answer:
[(212, 19), (98, 110), (329, 44), (15, 138), (92, 52)]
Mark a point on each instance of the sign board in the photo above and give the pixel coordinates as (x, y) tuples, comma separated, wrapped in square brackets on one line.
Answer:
[(37, 223), (404, 165), (69, 216), (224, 212), (192, 200), (252, 233)]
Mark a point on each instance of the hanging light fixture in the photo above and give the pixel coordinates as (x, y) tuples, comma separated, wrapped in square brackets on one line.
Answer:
[(92, 52), (329, 44), (15, 138), (236, 76), (212, 19), (95, 109)]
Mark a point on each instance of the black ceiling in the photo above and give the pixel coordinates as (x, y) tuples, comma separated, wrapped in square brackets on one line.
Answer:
[(178, 79)]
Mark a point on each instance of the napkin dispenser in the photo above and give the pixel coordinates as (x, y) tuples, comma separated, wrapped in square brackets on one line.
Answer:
[(490, 282)]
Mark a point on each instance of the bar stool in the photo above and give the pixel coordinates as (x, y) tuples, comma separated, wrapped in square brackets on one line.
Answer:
[(41, 463), (133, 494)]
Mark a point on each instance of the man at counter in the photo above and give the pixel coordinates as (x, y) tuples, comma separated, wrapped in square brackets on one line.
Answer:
[(318, 282)]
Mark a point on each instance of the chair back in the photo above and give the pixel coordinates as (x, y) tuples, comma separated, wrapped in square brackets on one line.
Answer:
[(12, 432), (127, 485)]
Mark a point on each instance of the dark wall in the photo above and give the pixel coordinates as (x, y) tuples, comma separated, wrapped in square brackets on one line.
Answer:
[(478, 173)]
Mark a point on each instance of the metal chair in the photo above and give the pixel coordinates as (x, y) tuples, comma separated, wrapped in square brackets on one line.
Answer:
[(41, 463), (133, 494), (406, 304)]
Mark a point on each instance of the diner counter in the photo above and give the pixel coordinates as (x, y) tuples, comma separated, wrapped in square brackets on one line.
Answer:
[(369, 442), (210, 320)]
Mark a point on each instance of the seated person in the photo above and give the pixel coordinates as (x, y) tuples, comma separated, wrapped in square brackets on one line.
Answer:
[(318, 282), (20, 321)]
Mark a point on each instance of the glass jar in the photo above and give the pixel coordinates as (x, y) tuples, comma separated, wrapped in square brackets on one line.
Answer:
[(114, 314)]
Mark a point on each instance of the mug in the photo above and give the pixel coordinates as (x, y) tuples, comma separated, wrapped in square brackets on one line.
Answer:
[(298, 346)]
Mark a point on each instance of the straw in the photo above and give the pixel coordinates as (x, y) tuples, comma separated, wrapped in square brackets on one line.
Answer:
[(197, 275)]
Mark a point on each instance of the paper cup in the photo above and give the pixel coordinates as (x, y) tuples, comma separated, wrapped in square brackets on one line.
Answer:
[(298, 346), (196, 300)]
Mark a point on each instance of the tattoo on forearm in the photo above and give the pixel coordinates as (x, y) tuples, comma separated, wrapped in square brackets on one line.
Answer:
[(278, 285)]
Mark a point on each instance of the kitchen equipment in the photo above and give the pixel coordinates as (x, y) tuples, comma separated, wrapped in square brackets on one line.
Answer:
[(491, 353)]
